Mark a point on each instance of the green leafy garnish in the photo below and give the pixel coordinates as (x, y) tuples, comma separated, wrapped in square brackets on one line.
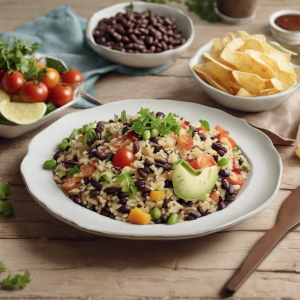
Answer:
[(7, 208), (50, 108), (190, 132), (236, 149), (204, 9), (73, 134), (123, 116), (18, 280), (126, 182), (90, 137), (106, 176), (148, 121), (73, 171), (2, 266), (4, 190), (55, 64), (205, 124)]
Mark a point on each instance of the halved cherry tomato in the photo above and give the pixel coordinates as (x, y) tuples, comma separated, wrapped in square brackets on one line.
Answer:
[(51, 79), (187, 122), (119, 141), (132, 137), (202, 128), (203, 161), (214, 196), (87, 170), (234, 168), (12, 83), (123, 158), (39, 65), (226, 139), (184, 141), (71, 183), (183, 125), (234, 178), (61, 95), (71, 76), (32, 93), (221, 131)]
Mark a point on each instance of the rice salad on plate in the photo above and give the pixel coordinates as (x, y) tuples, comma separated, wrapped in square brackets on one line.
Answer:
[(150, 168)]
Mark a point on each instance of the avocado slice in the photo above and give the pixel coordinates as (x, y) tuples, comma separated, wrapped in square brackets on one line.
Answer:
[(190, 184)]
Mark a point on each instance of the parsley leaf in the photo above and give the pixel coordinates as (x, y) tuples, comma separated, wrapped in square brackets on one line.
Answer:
[(190, 132), (18, 280), (4, 190), (205, 124), (126, 182), (7, 208), (203, 8), (123, 116), (2, 266)]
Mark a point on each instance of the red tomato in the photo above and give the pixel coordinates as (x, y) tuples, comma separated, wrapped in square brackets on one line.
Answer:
[(71, 183), (34, 93), (15, 98), (221, 131), (234, 178), (51, 79), (187, 122), (132, 137), (203, 161), (234, 168), (226, 139), (123, 158), (183, 125), (61, 95), (87, 170), (214, 196), (71, 76), (39, 65), (12, 83), (117, 142), (184, 141), (202, 128)]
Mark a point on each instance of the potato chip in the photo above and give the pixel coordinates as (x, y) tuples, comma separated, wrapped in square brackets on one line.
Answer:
[(282, 49), (244, 93), (228, 38), (252, 45), (268, 92), (235, 44), (242, 61), (279, 85), (217, 46), (245, 36), (251, 82), (214, 57)]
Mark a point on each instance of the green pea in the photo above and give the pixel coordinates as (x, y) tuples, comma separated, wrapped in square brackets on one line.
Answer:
[(73, 134), (63, 146), (154, 132), (49, 164), (173, 219), (155, 213), (223, 162), (65, 141), (146, 135)]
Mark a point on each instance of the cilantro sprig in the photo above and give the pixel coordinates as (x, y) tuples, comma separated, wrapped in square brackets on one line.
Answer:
[(2, 266), (18, 280), (5, 206), (126, 182), (205, 124), (148, 121), (13, 58)]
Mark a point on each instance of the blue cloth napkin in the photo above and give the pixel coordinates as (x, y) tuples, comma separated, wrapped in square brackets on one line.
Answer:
[(62, 34)]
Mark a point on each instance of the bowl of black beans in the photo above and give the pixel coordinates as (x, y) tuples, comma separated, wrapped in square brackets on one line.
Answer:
[(141, 35)]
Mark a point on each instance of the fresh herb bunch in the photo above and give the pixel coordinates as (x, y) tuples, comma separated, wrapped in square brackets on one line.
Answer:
[(5, 206), (148, 121), (203, 8), (18, 280), (13, 58)]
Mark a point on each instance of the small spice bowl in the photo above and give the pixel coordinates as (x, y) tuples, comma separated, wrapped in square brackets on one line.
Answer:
[(289, 37), (141, 60)]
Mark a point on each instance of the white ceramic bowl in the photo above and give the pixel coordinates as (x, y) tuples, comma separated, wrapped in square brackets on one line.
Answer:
[(249, 104), (289, 37), (258, 191), (141, 60), (12, 131)]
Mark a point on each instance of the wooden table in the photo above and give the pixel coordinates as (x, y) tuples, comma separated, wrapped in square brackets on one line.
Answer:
[(67, 263)]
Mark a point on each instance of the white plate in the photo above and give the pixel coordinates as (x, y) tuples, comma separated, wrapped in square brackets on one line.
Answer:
[(12, 131), (259, 190)]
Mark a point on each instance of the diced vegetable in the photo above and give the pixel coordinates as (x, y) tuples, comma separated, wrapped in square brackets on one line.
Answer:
[(136, 216), (157, 195), (202, 161), (245, 166), (227, 140), (223, 162), (221, 130), (155, 213), (74, 171), (106, 176), (214, 196)]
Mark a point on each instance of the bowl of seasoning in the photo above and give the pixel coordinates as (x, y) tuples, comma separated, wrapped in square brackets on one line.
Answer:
[(141, 35), (285, 26)]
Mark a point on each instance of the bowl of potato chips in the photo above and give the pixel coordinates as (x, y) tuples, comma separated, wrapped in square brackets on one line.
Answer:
[(245, 73)]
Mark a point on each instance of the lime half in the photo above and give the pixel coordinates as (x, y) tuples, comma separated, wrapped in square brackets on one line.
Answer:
[(22, 113), (4, 96)]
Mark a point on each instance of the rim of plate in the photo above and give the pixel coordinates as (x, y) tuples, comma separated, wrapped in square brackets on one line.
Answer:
[(259, 188)]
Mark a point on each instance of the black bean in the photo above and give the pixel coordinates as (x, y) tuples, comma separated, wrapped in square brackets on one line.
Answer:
[(124, 130), (160, 114), (164, 218), (124, 209), (217, 147), (145, 194), (72, 195), (155, 139), (144, 188), (158, 221), (75, 157), (195, 214), (160, 165), (201, 210), (142, 173), (231, 190), (146, 170), (161, 160), (101, 155), (166, 202), (112, 216), (77, 200), (221, 152), (113, 189), (109, 156), (70, 163), (221, 205), (105, 213), (123, 194), (202, 136), (148, 163), (157, 149), (241, 160), (123, 200), (231, 198), (95, 183), (214, 189), (86, 180), (95, 193), (168, 166), (224, 173), (140, 183), (57, 154), (136, 148), (189, 218), (216, 158), (139, 137), (225, 184), (207, 212), (168, 184)]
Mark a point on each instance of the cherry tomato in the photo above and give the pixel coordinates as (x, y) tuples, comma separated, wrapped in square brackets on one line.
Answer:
[(71, 183), (226, 139), (202, 128), (184, 141), (132, 137), (34, 93), (51, 79), (72, 76), (234, 168), (203, 161), (214, 196), (61, 95), (123, 158), (87, 170), (39, 65), (12, 83), (183, 125), (234, 179), (221, 131)]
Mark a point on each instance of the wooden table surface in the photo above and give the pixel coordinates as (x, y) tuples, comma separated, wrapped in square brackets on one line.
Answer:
[(67, 263)]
